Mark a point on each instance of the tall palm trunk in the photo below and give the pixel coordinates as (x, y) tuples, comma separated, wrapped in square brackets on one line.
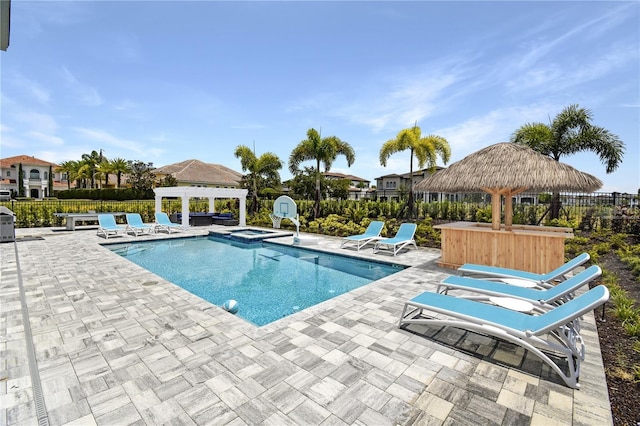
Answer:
[(555, 206), (254, 207)]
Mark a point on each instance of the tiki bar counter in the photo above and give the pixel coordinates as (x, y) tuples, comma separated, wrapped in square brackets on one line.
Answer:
[(505, 170), (537, 249)]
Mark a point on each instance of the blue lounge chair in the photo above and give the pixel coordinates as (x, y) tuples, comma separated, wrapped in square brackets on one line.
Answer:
[(543, 298), (371, 234), (532, 332), (403, 238), (540, 279), (107, 225), (135, 225), (163, 223)]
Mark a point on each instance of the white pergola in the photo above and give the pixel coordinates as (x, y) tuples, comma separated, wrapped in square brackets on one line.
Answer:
[(187, 192)]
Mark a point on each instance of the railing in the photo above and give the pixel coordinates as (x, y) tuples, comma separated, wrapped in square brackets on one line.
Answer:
[(590, 211)]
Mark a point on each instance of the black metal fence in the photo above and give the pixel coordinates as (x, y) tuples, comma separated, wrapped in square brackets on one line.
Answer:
[(585, 211)]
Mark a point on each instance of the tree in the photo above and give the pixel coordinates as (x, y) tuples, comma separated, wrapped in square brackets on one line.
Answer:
[(322, 150), (20, 181), (70, 168), (50, 182), (92, 160), (425, 149), (571, 132), (142, 178), (83, 174), (120, 166), (338, 188), (168, 181), (104, 169), (303, 184), (261, 170)]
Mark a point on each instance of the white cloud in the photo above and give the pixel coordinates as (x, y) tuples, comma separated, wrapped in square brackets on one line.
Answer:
[(105, 138), (31, 88), (397, 102), (37, 122), (84, 93), (494, 127), (248, 126), (114, 146), (46, 138)]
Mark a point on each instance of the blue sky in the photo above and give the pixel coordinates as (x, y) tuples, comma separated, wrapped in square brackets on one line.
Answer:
[(163, 82)]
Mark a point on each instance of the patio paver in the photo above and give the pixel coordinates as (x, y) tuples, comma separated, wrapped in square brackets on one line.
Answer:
[(116, 344)]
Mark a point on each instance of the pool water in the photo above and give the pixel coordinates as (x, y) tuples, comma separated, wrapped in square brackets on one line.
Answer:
[(269, 281)]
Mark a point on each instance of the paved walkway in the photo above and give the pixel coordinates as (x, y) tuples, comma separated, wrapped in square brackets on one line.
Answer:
[(118, 345)]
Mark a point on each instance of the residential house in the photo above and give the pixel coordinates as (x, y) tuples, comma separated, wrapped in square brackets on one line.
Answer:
[(35, 178), (198, 173), (393, 186), (359, 188)]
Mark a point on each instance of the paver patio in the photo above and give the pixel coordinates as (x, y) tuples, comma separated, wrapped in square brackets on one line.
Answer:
[(116, 345)]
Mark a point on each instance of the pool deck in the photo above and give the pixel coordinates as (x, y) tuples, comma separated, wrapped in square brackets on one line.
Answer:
[(118, 345)]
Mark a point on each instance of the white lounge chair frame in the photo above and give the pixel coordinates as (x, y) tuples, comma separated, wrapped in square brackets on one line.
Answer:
[(527, 331), (544, 280), (136, 226), (371, 234), (403, 238), (541, 297), (163, 223), (107, 226)]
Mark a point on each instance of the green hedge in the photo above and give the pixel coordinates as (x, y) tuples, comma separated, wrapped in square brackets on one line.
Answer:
[(105, 194)]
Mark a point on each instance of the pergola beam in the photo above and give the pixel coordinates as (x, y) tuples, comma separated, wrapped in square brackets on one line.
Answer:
[(187, 192)]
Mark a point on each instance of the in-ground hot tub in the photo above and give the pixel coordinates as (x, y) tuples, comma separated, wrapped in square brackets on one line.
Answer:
[(248, 235)]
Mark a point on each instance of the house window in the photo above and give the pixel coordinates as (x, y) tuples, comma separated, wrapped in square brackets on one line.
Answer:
[(34, 174), (46, 175), (8, 173)]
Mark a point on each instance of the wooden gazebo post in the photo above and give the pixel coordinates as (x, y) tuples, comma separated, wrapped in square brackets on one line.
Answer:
[(496, 205), (508, 206)]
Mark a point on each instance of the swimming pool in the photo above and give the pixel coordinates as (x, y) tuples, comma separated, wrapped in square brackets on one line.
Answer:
[(269, 281)]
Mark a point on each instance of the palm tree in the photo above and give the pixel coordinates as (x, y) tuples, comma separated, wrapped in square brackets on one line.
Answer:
[(426, 150), (322, 150), (84, 174), (263, 168), (119, 166), (92, 160), (571, 132), (70, 168), (105, 169)]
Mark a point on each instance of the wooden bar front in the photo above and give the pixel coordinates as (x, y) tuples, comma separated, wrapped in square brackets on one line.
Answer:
[(536, 249)]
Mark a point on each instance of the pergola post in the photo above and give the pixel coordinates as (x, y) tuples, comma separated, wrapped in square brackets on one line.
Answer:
[(186, 192), (185, 211), (243, 212)]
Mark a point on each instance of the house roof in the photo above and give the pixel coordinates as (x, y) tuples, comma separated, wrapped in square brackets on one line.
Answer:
[(343, 176), (198, 171), (415, 173), (26, 160)]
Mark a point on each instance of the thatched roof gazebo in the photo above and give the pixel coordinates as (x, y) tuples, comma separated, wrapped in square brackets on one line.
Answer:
[(506, 169)]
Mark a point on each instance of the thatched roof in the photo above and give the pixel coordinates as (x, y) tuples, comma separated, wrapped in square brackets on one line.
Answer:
[(509, 165)]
